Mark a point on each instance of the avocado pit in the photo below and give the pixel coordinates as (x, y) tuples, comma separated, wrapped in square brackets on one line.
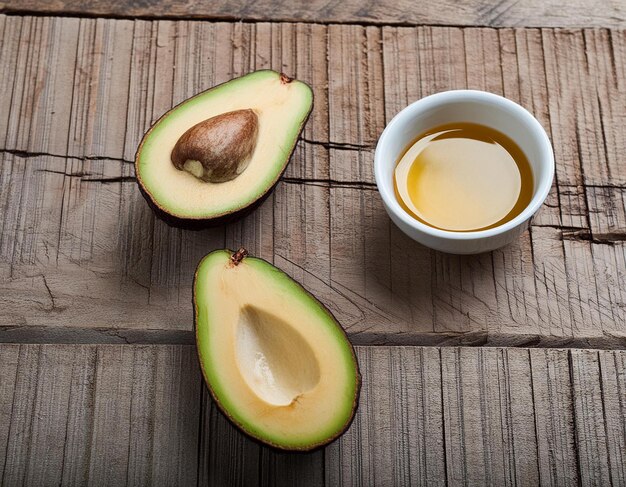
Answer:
[(219, 148), (274, 359)]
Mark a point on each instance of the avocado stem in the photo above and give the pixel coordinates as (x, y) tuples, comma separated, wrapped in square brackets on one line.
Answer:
[(284, 79), (238, 256)]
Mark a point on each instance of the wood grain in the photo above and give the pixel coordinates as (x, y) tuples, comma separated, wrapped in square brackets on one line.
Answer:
[(397, 434), (83, 259), (468, 12), (488, 423), (554, 417), (601, 457), (613, 379), (137, 415), (99, 415)]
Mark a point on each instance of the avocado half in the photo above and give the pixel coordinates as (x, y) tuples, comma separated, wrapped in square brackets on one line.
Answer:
[(275, 360), (274, 105)]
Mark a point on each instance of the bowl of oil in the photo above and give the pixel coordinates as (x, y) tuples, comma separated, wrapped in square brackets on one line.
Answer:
[(463, 171)]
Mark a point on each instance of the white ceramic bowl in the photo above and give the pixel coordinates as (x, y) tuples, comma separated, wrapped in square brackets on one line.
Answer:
[(464, 106)]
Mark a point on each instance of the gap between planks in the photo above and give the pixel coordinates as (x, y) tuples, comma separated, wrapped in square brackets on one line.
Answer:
[(133, 336)]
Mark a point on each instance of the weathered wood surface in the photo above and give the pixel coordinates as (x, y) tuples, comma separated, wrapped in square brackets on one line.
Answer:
[(507, 13), (139, 415), (98, 415), (83, 259)]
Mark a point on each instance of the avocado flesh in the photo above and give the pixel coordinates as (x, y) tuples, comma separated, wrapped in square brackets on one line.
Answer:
[(276, 361), (282, 108)]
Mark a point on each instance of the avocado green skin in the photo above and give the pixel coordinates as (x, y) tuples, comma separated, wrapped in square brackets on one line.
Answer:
[(197, 225), (240, 427), (236, 213)]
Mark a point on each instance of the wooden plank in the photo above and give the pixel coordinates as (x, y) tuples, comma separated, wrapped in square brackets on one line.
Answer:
[(613, 382), (176, 400), (22, 417), (596, 462), (10, 54), (39, 114), (552, 282), (99, 415), (83, 258), (601, 47), (508, 419), (125, 434), (489, 427), (51, 408), (607, 212), (554, 417), (361, 267), (9, 362), (311, 59), (79, 424), (130, 414), (397, 435), (297, 237), (233, 459), (608, 260), (228, 457), (101, 88), (470, 13), (355, 88), (55, 277)]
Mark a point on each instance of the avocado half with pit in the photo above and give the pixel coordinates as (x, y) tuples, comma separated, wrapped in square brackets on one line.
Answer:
[(274, 358), (220, 152)]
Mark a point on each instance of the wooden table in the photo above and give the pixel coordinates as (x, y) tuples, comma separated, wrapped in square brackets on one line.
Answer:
[(505, 368)]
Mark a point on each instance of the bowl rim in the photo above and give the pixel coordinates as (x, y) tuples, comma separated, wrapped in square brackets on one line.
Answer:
[(412, 110)]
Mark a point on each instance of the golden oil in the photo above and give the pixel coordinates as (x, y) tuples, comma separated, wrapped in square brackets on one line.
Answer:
[(463, 177)]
